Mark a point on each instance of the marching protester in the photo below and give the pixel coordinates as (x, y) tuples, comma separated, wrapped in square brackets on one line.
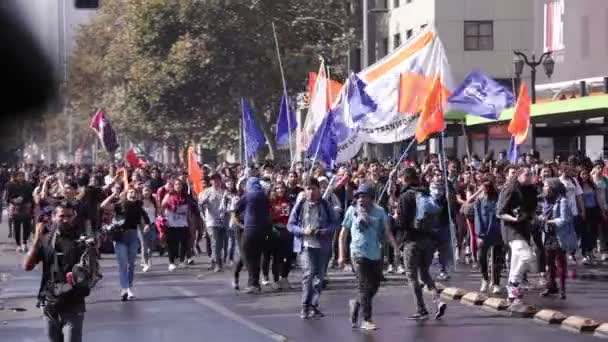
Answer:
[(60, 250), (129, 216), (19, 194), (148, 237), (215, 201), (312, 222), (368, 225), (175, 209), (418, 215)]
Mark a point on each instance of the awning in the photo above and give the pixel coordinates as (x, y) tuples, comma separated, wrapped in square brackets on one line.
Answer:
[(579, 108)]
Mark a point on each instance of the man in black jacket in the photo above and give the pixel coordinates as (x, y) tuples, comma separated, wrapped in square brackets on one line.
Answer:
[(64, 290), (517, 209), (418, 246)]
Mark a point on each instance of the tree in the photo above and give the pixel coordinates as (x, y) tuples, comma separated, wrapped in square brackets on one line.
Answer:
[(173, 71)]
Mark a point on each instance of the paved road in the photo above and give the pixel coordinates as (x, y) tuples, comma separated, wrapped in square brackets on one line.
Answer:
[(194, 304)]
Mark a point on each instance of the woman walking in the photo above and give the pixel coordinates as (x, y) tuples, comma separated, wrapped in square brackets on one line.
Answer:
[(148, 237), (175, 210), (129, 215)]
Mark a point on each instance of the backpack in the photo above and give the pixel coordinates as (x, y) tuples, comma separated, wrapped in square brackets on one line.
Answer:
[(427, 213)]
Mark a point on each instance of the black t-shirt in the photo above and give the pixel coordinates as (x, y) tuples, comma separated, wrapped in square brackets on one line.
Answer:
[(132, 212), (69, 251), (292, 194)]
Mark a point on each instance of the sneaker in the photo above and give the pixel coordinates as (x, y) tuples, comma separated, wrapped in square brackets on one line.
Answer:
[(571, 260), (145, 268), (419, 316), (441, 307), (172, 267), (443, 276), (353, 309), (217, 269), (368, 325), (390, 269), (190, 261), (316, 313), (305, 313), (24, 248), (496, 290), (604, 257), (400, 270), (252, 290), (265, 281), (484, 286), (235, 285), (542, 281), (130, 294), (586, 261), (124, 295), (514, 292)]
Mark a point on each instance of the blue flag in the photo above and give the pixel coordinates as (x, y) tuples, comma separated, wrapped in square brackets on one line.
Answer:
[(480, 95), (359, 101), (286, 122), (513, 151), (252, 136), (324, 145)]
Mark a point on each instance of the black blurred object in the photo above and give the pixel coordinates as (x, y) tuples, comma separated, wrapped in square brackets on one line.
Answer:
[(86, 4), (27, 76)]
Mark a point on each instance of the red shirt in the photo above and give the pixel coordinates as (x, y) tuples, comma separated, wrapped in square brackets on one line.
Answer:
[(279, 210)]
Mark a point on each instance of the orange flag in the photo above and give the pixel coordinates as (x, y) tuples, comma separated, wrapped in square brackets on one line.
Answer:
[(518, 127), (195, 174), (431, 118)]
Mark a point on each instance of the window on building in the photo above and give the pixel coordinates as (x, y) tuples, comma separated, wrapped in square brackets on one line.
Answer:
[(478, 35), (408, 1), (385, 4), (383, 48), (409, 33), (396, 40), (395, 3)]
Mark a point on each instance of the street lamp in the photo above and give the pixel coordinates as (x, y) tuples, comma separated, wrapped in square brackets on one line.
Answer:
[(545, 59)]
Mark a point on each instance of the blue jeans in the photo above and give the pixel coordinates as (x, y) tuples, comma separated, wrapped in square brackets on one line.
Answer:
[(126, 252), (313, 263)]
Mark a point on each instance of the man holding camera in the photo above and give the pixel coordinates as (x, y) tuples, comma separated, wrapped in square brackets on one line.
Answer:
[(65, 282)]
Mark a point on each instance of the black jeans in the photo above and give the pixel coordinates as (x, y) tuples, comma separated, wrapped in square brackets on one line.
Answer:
[(369, 274), (272, 254), (21, 224), (497, 261), (177, 243), (280, 249), (238, 232), (254, 239), (65, 326), (417, 258), (539, 249)]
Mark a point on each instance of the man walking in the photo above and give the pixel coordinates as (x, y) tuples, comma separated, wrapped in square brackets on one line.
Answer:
[(418, 216), (368, 225), (313, 222), (214, 201)]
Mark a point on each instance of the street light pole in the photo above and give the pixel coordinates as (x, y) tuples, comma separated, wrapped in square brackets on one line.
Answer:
[(518, 63)]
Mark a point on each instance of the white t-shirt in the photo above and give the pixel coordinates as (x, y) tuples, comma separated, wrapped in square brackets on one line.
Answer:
[(573, 189)]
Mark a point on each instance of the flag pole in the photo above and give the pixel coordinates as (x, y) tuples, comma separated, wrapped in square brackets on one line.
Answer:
[(312, 165), (245, 157), (241, 140), (407, 149), (276, 41), (444, 168)]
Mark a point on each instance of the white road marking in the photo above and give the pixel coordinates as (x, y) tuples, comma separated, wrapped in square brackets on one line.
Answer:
[(222, 310)]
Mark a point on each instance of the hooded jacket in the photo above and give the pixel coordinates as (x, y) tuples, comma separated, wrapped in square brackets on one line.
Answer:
[(255, 206)]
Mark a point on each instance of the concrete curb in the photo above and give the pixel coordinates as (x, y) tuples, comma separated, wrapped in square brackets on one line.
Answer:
[(579, 324), (601, 331), (496, 304), (522, 310), (453, 293), (474, 298), (550, 317)]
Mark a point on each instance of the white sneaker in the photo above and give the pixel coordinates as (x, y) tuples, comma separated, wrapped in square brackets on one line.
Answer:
[(367, 325), (124, 295), (145, 268), (443, 276), (390, 269), (172, 267), (586, 261), (604, 256), (484, 286), (130, 294), (496, 290), (400, 269), (265, 282)]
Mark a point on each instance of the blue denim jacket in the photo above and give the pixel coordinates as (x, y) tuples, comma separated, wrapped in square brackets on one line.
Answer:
[(487, 225), (563, 224), (327, 220)]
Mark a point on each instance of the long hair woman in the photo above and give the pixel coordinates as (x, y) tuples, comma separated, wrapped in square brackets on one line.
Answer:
[(559, 234), (593, 215), (175, 209), (129, 215), (147, 237)]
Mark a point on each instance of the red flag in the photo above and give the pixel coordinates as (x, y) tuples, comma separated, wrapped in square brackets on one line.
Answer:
[(518, 127), (431, 118), (195, 174), (131, 157), (101, 125)]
